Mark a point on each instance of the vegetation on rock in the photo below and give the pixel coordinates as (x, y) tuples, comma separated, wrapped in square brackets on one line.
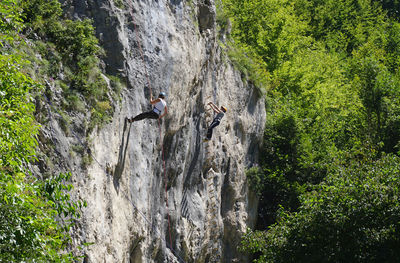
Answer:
[(36, 214)]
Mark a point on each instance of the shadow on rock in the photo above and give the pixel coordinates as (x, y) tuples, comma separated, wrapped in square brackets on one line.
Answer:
[(119, 168)]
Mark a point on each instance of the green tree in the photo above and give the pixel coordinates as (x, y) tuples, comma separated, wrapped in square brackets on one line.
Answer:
[(332, 102), (351, 217), (29, 230), (10, 21), (68, 47), (392, 7), (35, 215)]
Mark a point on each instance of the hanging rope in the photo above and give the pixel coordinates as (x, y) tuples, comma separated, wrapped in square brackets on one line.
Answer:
[(159, 124)]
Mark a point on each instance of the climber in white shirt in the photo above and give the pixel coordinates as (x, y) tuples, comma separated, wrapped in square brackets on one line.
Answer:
[(159, 110)]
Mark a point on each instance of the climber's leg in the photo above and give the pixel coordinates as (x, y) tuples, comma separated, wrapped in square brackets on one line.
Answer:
[(210, 129), (144, 115)]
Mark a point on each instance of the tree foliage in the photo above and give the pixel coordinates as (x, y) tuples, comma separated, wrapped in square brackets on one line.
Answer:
[(35, 215), (69, 51), (332, 103), (351, 217), (10, 21)]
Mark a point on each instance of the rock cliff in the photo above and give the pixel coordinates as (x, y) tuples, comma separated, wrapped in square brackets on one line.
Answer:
[(197, 208)]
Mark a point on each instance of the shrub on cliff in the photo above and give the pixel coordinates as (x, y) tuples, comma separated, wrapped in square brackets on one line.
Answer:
[(69, 52), (35, 215)]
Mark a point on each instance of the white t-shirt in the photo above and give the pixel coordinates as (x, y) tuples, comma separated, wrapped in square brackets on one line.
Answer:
[(160, 106)]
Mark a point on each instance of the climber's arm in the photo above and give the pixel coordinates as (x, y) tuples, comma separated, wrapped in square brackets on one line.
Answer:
[(152, 102), (165, 112), (214, 107)]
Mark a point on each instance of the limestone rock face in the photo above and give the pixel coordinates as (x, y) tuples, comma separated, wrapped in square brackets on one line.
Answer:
[(155, 191)]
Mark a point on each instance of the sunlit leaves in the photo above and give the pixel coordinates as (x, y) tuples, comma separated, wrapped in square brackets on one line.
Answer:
[(31, 218), (351, 217), (10, 21), (333, 105), (17, 124)]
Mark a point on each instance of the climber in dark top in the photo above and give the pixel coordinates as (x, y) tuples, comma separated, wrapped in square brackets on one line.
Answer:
[(159, 110), (220, 114)]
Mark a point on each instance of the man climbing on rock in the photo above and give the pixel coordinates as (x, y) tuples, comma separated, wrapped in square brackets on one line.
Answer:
[(216, 121), (159, 110)]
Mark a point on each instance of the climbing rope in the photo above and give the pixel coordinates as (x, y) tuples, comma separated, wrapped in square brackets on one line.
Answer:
[(159, 124)]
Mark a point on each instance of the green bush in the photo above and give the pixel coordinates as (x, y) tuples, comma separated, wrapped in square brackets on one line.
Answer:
[(120, 4), (116, 86), (70, 48), (76, 41), (351, 217), (41, 15), (332, 103), (74, 103), (251, 68), (11, 22), (29, 208)]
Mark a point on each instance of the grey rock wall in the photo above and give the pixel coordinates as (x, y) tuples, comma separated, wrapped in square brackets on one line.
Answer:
[(197, 210)]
